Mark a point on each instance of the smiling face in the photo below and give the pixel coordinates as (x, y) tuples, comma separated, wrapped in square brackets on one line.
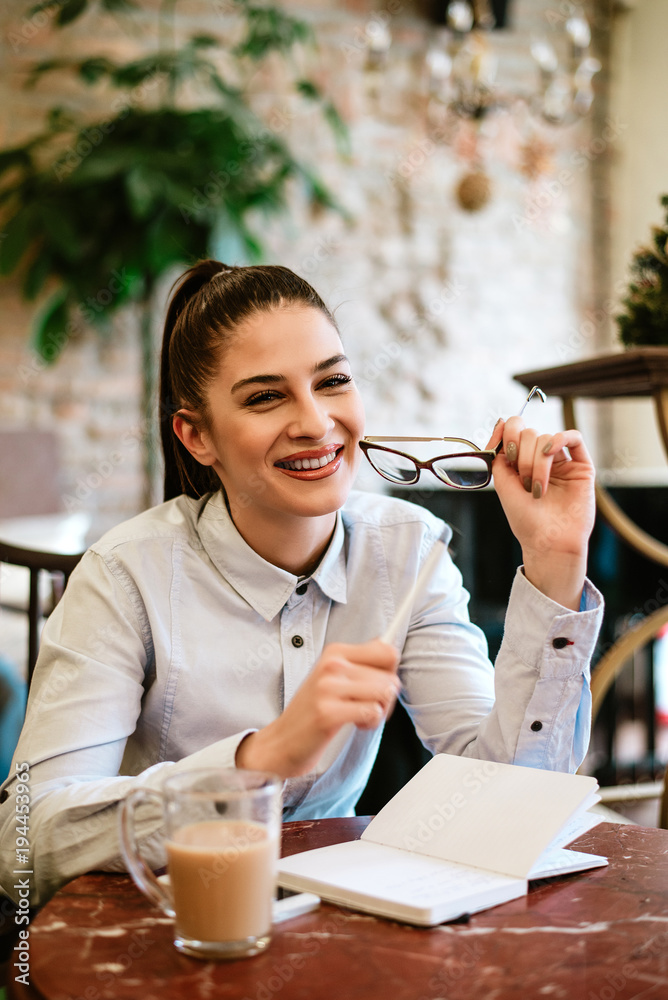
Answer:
[(283, 423)]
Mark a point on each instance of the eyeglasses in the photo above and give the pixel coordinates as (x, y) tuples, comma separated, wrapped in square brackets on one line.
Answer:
[(463, 465)]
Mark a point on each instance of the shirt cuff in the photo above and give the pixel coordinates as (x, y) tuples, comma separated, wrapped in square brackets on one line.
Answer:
[(220, 754), (547, 636)]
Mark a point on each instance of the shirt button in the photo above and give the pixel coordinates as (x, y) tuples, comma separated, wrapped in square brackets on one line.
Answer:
[(536, 726), (301, 589), (297, 641), (561, 641)]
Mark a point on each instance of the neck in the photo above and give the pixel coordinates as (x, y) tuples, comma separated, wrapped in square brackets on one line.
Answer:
[(295, 544)]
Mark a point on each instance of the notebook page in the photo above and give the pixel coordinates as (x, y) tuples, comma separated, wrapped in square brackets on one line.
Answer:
[(358, 869), (579, 824), (559, 861), (479, 813)]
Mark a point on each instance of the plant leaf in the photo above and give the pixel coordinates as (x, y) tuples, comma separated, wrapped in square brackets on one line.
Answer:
[(309, 90), (50, 332), (70, 11), (46, 66), (60, 120), (93, 69), (38, 8), (338, 127), (58, 222), (14, 158), (142, 192), (18, 235), (119, 5), (269, 29), (203, 41), (36, 275)]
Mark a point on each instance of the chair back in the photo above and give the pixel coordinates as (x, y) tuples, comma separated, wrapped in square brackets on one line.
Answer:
[(603, 676), (36, 562)]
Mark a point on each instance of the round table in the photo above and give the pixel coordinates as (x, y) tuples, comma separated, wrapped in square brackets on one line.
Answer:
[(601, 933)]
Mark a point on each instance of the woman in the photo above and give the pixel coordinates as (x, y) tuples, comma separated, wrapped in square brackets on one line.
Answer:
[(237, 623)]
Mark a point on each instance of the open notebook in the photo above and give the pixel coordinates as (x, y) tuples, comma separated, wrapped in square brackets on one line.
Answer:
[(461, 836)]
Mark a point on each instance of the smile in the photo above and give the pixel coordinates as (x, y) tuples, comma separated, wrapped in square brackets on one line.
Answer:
[(308, 463), (314, 467)]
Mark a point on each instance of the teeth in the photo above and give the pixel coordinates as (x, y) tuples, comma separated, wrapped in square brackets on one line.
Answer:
[(308, 463)]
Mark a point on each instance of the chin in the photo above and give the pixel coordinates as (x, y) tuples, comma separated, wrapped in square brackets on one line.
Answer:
[(321, 506), (324, 499)]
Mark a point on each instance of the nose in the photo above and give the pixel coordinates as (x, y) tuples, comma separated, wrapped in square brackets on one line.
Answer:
[(310, 419)]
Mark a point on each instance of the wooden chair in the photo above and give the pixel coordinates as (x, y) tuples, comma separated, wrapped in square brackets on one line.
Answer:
[(605, 673), (30, 488), (59, 566), (639, 372)]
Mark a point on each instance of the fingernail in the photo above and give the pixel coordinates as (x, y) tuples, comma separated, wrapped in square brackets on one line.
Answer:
[(527, 483), (548, 446), (537, 491), (511, 452), (498, 422)]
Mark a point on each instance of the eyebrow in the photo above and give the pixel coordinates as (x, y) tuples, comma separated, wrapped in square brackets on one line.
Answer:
[(273, 379)]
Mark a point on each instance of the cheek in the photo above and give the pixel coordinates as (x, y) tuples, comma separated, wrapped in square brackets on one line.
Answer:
[(248, 447), (356, 415)]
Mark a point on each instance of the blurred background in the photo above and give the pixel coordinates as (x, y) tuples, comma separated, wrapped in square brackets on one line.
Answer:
[(465, 184)]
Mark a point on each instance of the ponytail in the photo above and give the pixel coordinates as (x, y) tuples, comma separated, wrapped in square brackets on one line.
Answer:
[(183, 473), (208, 303)]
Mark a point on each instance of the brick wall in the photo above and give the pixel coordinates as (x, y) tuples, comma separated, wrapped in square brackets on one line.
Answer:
[(438, 307)]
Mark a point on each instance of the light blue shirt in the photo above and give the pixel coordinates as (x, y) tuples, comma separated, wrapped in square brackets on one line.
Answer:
[(175, 639)]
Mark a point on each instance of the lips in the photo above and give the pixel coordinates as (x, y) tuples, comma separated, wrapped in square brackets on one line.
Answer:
[(312, 464)]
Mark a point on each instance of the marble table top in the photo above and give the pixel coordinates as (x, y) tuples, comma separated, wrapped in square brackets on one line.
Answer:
[(596, 935)]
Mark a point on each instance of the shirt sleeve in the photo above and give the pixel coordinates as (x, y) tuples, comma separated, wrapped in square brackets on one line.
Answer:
[(84, 702), (534, 707)]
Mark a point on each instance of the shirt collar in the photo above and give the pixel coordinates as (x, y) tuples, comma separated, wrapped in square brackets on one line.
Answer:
[(331, 572), (264, 586)]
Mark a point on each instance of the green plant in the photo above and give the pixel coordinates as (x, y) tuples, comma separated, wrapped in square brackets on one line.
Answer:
[(95, 212), (645, 320)]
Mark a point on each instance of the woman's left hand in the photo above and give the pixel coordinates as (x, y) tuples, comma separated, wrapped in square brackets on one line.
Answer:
[(547, 494)]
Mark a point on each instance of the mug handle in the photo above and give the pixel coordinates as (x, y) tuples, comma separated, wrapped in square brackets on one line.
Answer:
[(137, 867)]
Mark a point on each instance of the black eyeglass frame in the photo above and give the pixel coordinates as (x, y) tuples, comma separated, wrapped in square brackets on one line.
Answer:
[(474, 452), (488, 454)]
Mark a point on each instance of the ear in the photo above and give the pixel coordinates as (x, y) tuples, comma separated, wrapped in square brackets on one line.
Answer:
[(187, 426)]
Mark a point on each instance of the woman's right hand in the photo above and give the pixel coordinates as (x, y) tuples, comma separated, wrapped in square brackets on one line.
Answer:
[(355, 684)]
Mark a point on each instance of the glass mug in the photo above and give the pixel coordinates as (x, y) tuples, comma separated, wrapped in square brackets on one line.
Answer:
[(222, 838)]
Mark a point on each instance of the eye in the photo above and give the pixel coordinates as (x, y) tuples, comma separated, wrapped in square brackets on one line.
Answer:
[(337, 381), (266, 396)]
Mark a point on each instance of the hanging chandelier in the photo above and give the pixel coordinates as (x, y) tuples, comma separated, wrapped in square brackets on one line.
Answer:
[(463, 68), (463, 85)]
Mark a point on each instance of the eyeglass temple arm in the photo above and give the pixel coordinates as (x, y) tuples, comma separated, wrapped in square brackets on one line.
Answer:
[(535, 391), (396, 437)]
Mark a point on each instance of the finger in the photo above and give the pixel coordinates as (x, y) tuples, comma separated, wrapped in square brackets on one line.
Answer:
[(572, 440), (376, 653), (343, 679), (373, 714), (526, 456), (542, 465), (511, 436), (363, 714), (371, 717), (497, 435)]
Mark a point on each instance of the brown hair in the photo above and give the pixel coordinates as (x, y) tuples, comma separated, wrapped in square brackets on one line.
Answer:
[(208, 302)]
